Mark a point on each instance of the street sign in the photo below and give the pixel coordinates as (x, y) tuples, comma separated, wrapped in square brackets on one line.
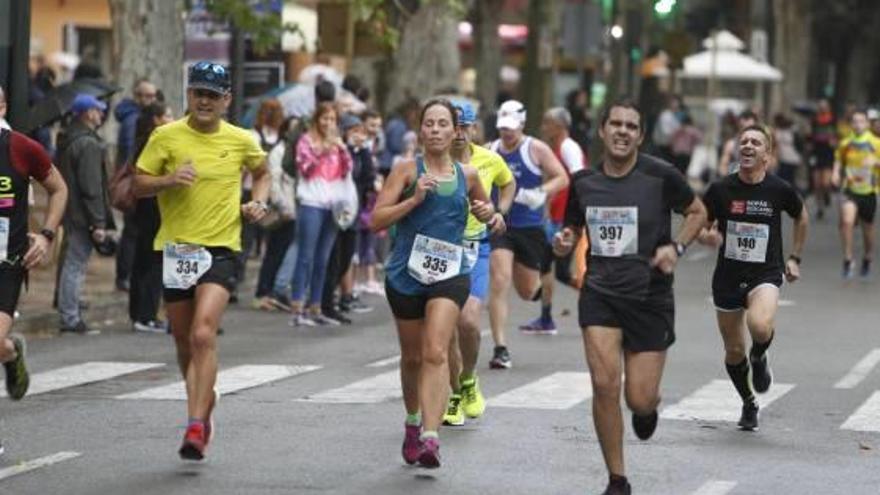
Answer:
[(262, 77)]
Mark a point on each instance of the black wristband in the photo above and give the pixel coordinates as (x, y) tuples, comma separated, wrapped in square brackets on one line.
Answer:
[(49, 234), (796, 259), (680, 249)]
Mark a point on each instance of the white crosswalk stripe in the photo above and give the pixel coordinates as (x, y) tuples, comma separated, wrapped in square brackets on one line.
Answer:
[(715, 488), (384, 362), (861, 370), (81, 374), (866, 417), (228, 381), (718, 401), (379, 388), (560, 390)]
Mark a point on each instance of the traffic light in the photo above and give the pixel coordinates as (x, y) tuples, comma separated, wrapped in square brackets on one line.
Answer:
[(664, 7)]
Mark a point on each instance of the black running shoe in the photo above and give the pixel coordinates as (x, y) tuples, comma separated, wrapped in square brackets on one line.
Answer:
[(748, 421), (644, 426), (501, 359), (762, 376), (17, 378), (336, 315), (618, 489)]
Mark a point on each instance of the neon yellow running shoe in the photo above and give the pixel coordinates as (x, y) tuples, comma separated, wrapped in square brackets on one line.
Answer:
[(454, 415), (472, 400)]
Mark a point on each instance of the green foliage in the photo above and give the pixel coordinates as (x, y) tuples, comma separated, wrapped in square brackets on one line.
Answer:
[(253, 18), (386, 18)]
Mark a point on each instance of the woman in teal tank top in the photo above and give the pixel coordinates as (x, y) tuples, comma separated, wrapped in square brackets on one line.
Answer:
[(427, 282)]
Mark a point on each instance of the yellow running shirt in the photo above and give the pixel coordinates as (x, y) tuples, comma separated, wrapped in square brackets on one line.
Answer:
[(208, 213), (854, 155), (493, 170)]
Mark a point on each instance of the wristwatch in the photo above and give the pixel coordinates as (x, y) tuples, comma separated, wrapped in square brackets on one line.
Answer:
[(262, 204), (795, 258), (680, 249), (49, 234)]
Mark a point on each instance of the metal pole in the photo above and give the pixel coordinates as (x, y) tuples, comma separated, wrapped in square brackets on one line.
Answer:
[(14, 74)]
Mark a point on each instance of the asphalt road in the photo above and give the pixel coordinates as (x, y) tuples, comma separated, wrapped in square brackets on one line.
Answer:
[(320, 413)]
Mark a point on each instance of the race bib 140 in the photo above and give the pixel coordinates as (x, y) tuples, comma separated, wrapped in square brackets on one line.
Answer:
[(747, 241)]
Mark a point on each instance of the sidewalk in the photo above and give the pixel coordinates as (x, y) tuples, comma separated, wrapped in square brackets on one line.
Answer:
[(106, 305)]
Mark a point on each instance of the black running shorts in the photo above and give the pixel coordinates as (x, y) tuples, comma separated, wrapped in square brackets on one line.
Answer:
[(647, 325), (222, 272), (866, 205), (11, 278), (412, 307), (732, 294), (528, 244)]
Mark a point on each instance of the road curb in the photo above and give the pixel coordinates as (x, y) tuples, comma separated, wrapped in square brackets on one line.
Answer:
[(105, 315)]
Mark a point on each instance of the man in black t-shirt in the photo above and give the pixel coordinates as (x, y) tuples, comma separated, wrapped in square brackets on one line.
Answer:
[(22, 159), (626, 306), (747, 207)]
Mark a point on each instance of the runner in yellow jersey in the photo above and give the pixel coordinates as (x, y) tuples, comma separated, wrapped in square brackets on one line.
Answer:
[(466, 398), (856, 163), (194, 167)]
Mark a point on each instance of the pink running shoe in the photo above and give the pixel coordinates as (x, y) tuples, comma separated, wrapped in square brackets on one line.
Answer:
[(429, 455), (411, 444)]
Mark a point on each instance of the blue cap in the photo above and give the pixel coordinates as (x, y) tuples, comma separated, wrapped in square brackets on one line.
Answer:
[(210, 76), (466, 113), (85, 102), (348, 121)]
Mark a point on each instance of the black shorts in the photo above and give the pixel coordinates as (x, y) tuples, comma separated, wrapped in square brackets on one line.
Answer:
[(527, 243), (647, 325), (732, 294), (223, 272), (866, 205), (11, 278), (412, 307), (824, 155)]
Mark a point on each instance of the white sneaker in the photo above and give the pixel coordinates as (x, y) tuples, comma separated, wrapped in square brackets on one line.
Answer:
[(301, 320), (152, 326)]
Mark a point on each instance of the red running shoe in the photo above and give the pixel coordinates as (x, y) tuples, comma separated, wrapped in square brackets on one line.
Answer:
[(194, 442)]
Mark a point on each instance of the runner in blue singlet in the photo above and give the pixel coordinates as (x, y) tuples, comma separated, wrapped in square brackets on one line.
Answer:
[(428, 273), (518, 254)]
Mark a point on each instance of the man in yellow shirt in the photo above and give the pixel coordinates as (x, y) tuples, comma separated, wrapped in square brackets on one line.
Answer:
[(194, 167), (466, 398), (856, 162)]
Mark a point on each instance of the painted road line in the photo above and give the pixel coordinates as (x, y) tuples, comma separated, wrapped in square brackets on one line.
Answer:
[(862, 369), (788, 303), (866, 417), (380, 388), (81, 374), (718, 401), (384, 362), (560, 390), (229, 381), (42, 462), (715, 488)]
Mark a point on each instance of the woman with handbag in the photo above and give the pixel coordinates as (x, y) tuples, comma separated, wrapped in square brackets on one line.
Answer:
[(324, 166), (280, 224)]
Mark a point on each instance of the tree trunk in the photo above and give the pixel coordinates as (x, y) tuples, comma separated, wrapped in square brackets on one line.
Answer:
[(427, 61), (148, 38), (791, 52), (540, 54), (486, 16)]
